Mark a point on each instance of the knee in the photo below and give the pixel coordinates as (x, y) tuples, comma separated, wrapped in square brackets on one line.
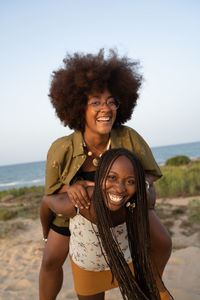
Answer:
[(51, 262)]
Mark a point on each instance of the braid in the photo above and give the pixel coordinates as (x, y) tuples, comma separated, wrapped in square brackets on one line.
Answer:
[(143, 285)]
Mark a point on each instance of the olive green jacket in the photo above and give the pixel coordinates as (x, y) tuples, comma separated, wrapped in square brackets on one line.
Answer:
[(66, 156)]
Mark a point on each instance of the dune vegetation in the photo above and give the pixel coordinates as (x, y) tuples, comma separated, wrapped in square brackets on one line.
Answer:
[(178, 180)]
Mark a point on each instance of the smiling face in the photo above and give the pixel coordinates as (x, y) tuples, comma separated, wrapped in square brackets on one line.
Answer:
[(99, 122), (120, 183)]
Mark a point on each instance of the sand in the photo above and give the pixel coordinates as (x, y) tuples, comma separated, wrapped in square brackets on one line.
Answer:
[(20, 258)]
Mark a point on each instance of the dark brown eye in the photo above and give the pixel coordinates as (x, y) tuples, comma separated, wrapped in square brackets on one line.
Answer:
[(131, 181), (111, 178)]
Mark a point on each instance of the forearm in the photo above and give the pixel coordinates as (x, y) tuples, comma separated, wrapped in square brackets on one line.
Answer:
[(60, 204), (46, 217)]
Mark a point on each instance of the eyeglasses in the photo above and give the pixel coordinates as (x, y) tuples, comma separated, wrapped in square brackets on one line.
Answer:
[(97, 105)]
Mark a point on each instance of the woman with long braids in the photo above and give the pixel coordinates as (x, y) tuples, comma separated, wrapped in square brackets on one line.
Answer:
[(94, 95), (101, 255)]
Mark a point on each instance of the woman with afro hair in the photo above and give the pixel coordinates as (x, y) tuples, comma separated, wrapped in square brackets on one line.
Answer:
[(94, 95)]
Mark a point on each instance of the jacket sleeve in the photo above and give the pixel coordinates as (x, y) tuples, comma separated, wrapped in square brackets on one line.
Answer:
[(57, 160), (144, 153)]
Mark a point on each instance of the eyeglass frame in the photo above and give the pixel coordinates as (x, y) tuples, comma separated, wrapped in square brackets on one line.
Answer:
[(105, 102)]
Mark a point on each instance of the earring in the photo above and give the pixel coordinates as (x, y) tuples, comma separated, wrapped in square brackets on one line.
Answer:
[(130, 206)]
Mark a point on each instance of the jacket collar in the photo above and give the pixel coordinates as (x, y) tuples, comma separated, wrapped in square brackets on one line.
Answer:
[(77, 144)]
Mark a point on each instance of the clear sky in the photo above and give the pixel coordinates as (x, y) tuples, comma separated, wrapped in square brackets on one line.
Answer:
[(36, 35)]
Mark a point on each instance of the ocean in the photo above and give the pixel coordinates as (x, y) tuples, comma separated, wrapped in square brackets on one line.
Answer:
[(29, 174)]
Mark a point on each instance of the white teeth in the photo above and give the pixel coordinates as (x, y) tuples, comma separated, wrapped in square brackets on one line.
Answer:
[(115, 198), (103, 119)]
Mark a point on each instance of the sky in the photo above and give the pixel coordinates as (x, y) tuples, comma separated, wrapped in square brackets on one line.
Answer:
[(36, 35)]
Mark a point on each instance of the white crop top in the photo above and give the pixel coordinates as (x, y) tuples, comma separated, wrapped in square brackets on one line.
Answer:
[(85, 249)]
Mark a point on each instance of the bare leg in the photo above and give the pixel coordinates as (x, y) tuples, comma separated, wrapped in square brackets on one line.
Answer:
[(99, 296), (51, 272), (160, 241), (161, 250)]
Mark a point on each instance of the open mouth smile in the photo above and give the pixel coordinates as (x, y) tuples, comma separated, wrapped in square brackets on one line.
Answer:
[(116, 199), (104, 119)]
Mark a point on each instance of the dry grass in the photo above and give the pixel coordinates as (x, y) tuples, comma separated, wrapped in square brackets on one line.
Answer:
[(18, 205), (24, 204)]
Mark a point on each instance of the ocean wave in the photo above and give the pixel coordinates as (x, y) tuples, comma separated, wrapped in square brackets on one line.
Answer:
[(9, 183), (36, 180), (18, 184)]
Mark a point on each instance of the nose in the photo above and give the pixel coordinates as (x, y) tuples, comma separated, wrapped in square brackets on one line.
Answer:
[(120, 187), (104, 106)]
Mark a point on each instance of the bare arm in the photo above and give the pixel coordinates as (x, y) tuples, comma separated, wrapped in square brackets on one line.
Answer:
[(78, 193), (59, 204), (46, 213), (64, 203), (56, 203), (151, 193)]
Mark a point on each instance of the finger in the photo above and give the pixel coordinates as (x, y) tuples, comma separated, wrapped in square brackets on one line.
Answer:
[(79, 199), (72, 199), (75, 199), (82, 197), (77, 203), (88, 183)]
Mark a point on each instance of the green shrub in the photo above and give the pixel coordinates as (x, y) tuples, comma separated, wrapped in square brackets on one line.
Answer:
[(6, 214), (22, 191), (8, 229), (23, 202), (178, 161), (194, 211), (179, 181)]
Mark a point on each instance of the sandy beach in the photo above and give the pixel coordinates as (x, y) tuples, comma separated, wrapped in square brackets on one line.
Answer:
[(20, 258)]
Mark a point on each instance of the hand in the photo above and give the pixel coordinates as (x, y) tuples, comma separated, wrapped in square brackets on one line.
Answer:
[(150, 190), (151, 196), (78, 193)]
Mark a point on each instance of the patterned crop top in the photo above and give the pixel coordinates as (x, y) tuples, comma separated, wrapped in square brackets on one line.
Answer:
[(85, 249)]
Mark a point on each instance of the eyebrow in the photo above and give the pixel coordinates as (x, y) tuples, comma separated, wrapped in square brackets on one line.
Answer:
[(91, 97), (132, 176)]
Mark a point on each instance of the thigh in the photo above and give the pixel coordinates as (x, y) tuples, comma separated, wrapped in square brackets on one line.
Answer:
[(160, 241), (57, 247)]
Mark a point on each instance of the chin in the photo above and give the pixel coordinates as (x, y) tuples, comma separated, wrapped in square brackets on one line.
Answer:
[(105, 131), (106, 128), (115, 208)]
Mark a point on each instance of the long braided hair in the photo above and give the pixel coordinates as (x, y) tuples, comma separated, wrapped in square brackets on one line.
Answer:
[(141, 286)]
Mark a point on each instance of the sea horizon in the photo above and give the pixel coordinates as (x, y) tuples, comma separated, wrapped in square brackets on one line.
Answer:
[(27, 174), (152, 148)]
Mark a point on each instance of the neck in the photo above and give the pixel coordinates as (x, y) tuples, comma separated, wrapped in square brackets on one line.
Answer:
[(97, 141)]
